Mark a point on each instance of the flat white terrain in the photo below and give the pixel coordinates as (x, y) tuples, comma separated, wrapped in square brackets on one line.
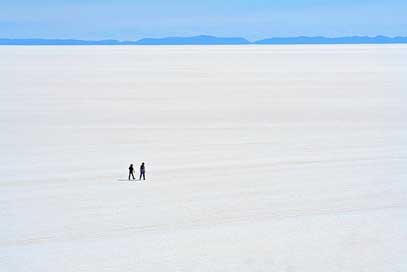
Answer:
[(258, 158)]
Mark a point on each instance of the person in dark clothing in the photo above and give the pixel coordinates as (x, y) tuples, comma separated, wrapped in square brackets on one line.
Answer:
[(131, 172), (142, 171)]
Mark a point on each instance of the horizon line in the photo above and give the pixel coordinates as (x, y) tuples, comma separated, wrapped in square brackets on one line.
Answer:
[(210, 40)]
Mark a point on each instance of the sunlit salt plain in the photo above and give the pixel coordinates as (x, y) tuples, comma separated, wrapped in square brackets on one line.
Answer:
[(258, 158)]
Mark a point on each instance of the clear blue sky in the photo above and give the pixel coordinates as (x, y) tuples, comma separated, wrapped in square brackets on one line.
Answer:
[(253, 19)]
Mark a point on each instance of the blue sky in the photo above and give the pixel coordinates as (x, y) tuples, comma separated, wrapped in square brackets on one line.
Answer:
[(253, 19)]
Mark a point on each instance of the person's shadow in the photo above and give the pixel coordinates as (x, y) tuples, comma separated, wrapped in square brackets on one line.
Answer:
[(122, 180)]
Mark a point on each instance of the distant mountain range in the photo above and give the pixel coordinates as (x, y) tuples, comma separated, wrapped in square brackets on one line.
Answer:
[(339, 40), (211, 40), (201, 40)]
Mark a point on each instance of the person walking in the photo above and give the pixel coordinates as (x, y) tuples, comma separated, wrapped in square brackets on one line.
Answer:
[(142, 171), (131, 172)]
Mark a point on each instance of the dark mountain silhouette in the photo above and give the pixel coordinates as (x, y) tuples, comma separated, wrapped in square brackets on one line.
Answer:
[(211, 40)]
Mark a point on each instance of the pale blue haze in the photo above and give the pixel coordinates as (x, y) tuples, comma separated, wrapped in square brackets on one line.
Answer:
[(256, 19)]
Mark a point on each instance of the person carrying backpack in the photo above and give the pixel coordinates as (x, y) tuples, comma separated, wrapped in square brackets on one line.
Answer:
[(131, 172)]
